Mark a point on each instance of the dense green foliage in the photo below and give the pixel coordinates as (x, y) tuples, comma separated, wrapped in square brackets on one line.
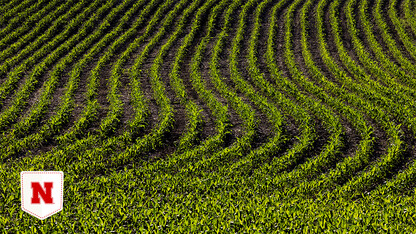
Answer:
[(211, 116)]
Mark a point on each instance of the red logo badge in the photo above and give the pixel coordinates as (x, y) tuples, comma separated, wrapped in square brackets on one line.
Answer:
[(42, 192)]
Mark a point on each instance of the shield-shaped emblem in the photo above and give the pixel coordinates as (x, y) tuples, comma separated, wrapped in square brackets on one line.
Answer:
[(42, 192)]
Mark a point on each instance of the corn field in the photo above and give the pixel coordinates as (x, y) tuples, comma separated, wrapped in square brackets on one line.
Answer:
[(244, 116)]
